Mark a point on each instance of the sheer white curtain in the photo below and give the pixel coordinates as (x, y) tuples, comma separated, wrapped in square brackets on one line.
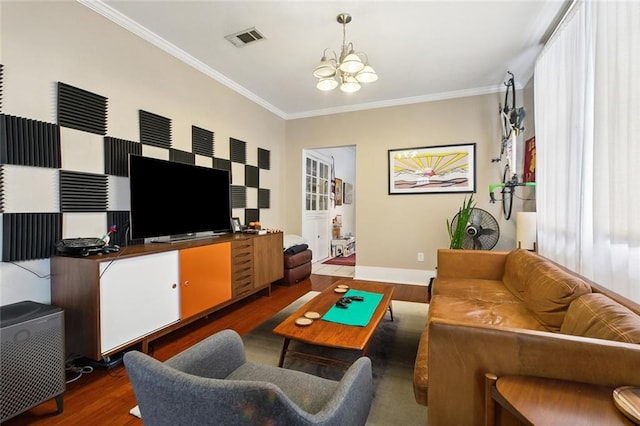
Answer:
[(587, 112)]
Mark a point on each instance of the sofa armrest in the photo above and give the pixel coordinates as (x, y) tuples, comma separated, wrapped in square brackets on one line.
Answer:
[(479, 264), (460, 355)]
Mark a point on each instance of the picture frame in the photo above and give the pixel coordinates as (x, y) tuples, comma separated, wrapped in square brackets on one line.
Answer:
[(235, 225), (338, 192), (438, 169), (347, 193)]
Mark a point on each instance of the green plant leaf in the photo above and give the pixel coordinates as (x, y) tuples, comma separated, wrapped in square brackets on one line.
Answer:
[(456, 236)]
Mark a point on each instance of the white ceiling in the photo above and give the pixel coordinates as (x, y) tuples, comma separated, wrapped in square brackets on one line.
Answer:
[(421, 50)]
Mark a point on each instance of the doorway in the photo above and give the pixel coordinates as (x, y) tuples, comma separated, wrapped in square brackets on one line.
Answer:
[(328, 194)]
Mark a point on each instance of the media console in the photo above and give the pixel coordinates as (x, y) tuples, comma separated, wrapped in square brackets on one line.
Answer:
[(117, 300)]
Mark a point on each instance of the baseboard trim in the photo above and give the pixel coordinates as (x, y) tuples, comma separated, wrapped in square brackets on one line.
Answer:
[(417, 277)]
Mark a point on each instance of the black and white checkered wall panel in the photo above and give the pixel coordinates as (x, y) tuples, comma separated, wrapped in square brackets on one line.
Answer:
[(70, 179), (1, 86), (81, 109)]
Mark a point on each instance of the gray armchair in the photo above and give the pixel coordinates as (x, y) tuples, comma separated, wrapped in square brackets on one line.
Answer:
[(212, 383)]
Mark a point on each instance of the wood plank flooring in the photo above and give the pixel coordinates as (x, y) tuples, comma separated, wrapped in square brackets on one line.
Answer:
[(105, 396)]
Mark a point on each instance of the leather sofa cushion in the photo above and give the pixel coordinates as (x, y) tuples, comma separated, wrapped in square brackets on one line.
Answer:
[(548, 292), (513, 314), (517, 266), (596, 315), (473, 288)]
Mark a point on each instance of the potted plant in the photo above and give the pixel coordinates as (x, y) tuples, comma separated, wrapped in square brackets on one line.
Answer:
[(456, 235)]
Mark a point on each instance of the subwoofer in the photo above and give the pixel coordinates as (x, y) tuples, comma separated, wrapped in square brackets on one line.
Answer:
[(32, 364)]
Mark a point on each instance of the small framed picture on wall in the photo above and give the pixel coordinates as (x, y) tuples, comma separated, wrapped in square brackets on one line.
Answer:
[(347, 193), (338, 192)]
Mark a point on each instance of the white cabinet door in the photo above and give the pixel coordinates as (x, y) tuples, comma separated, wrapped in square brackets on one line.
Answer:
[(137, 296)]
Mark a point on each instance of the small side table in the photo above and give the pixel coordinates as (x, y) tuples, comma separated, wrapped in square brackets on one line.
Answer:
[(543, 401)]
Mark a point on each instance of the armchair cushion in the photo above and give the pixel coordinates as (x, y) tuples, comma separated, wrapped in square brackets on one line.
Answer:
[(211, 383), (310, 393), (215, 357)]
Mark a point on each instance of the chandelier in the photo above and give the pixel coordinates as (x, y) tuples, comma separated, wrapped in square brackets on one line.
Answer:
[(348, 70)]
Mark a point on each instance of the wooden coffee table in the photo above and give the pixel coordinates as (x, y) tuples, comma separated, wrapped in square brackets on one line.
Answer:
[(331, 334)]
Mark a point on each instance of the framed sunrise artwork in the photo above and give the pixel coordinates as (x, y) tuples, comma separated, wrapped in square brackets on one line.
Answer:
[(433, 169)]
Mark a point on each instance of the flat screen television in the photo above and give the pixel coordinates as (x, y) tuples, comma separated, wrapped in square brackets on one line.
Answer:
[(173, 199)]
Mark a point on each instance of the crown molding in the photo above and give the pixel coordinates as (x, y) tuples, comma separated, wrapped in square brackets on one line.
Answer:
[(118, 18), (113, 15), (399, 102)]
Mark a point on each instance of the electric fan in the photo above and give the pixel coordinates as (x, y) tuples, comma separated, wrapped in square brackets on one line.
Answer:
[(482, 231)]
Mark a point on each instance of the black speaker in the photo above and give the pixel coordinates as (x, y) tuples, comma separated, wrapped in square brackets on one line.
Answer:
[(32, 365)]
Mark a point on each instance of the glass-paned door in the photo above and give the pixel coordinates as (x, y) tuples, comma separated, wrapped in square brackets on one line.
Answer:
[(316, 228), (316, 185)]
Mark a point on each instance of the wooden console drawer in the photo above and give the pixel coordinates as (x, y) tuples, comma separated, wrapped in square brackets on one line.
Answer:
[(242, 267), (241, 289)]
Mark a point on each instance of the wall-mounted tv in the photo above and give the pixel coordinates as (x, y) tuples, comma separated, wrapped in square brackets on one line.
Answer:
[(173, 199)]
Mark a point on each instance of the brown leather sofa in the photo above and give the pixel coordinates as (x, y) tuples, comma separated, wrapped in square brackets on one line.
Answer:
[(518, 313)]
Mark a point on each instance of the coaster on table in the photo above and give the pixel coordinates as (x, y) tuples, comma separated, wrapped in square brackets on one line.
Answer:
[(341, 290), (303, 321), (312, 315)]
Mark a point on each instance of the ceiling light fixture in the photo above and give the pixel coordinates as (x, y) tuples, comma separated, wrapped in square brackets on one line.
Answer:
[(347, 71)]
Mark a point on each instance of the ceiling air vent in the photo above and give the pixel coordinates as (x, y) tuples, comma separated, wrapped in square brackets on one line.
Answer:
[(245, 37)]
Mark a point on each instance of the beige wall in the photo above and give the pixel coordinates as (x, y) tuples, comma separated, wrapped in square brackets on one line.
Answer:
[(42, 43), (392, 229), (46, 42)]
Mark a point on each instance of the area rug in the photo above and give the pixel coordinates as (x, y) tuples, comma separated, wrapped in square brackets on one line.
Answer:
[(392, 351), (342, 261)]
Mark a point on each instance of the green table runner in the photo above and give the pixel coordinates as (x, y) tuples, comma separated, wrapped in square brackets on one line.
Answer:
[(357, 313)]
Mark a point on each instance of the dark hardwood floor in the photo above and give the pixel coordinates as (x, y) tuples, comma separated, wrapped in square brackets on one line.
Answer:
[(105, 396)]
